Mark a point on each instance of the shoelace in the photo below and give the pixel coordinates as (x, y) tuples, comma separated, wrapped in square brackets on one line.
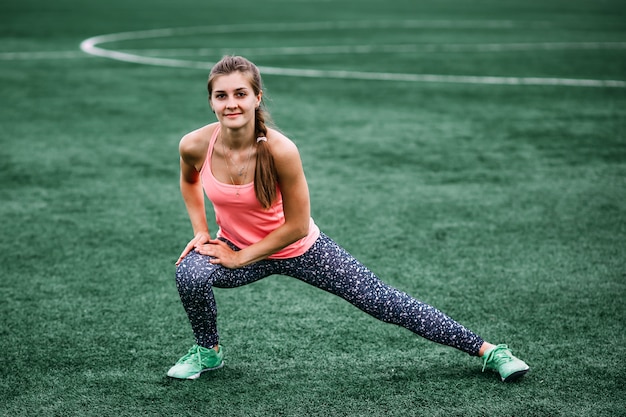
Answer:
[(498, 355), (191, 355)]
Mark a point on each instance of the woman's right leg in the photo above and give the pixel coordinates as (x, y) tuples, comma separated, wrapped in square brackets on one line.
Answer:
[(195, 279)]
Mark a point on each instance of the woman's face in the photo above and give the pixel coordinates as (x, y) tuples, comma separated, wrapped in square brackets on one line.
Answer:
[(233, 100)]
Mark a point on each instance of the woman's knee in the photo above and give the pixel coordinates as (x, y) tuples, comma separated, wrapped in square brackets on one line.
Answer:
[(194, 270)]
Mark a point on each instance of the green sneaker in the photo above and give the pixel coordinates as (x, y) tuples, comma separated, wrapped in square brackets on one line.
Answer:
[(199, 359), (499, 358)]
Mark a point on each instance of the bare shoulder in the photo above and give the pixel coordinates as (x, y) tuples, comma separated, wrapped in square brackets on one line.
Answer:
[(281, 146), (193, 146)]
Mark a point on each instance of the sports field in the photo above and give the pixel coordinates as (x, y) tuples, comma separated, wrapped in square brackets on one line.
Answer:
[(472, 154)]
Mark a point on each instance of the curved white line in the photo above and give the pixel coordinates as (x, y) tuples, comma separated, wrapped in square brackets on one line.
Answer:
[(381, 49), (14, 56), (90, 46), (335, 49)]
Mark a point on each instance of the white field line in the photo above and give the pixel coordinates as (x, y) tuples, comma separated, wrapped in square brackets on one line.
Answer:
[(330, 49), (25, 56), (317, 26), (368, 49), (435, 78), (91, 46)]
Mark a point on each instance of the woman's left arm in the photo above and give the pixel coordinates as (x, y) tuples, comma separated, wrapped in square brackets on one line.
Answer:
[(296, 206)]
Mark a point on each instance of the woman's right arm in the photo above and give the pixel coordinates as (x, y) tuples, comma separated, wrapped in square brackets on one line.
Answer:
[(191, 158)]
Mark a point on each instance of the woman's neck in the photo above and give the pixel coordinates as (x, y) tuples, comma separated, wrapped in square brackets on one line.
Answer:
[(237, 138)]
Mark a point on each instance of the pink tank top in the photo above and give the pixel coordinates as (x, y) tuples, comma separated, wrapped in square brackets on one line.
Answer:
[(241, 218)]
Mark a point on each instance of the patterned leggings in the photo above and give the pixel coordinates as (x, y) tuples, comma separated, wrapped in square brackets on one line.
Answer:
[(327, 266)]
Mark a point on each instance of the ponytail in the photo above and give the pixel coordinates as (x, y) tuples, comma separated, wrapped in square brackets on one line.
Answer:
[(265, 176)]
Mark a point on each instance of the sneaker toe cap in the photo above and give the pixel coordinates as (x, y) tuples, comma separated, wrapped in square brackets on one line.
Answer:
[(513, 371), (182, 371)]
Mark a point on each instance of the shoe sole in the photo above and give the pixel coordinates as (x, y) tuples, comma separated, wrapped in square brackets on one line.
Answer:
[(515, 375)]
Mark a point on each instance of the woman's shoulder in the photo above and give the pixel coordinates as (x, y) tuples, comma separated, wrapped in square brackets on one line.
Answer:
[(201, 134), (280, 144), (195, 143)]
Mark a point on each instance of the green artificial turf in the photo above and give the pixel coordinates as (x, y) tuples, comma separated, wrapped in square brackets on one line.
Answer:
[(503, 206)]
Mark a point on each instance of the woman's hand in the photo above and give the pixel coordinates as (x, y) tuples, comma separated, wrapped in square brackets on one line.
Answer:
[(220, 254), (199, 239)]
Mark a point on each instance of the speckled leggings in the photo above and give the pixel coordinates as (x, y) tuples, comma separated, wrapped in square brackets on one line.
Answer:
[(327, 266)]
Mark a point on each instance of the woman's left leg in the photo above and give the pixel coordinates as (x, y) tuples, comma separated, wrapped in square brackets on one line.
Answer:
[(328, 266)]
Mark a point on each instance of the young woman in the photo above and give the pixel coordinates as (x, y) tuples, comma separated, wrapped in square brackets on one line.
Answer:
[(254, 178)]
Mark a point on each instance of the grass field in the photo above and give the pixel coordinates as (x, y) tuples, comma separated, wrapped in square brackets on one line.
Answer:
[(498, 197)]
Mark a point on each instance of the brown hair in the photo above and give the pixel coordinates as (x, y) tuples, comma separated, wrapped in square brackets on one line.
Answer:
[(265, 175)]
